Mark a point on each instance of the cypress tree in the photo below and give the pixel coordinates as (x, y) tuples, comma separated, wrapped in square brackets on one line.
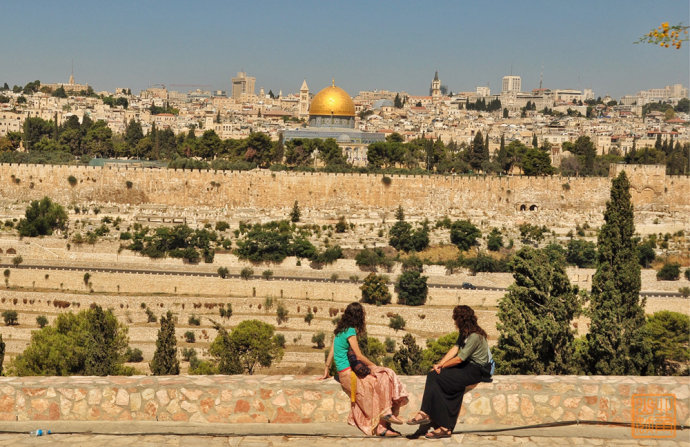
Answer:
[(615, 344), (535, 143), (535, 336), (165, 361)]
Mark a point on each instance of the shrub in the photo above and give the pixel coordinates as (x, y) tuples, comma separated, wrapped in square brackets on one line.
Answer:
[(189, 337), (396, 322), (267, 274), (194, 320), (341, 225), (223, 272), (495, 240), (308, 317), (134, 355), (375, 290), (279, 340), (581, 253), (281, 313), (72, 180), (389, 344), (129, 184), (221, 225), (225, 312), (386, 180), (188, 354), (150, 316), (247, 273), (319, 339), (41, 321), (17, 260), (10, 317), (684, 291), (687, 274), (669, 272)]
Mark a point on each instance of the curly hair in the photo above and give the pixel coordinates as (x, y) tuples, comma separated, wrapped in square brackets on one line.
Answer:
[(352, 317), (466, 322)]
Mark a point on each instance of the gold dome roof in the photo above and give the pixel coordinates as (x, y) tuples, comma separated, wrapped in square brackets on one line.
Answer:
[(332, 101)]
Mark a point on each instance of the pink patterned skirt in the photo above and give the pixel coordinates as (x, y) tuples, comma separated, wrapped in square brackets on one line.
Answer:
[(378, 394)]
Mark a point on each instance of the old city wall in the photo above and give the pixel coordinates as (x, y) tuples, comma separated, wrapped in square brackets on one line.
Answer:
[(434, 195), (509, 400)]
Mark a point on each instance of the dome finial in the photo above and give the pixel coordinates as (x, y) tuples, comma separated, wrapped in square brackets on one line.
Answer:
[(333, 82)]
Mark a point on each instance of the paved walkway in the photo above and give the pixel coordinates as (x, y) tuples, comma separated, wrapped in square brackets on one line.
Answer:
[(150, 434)]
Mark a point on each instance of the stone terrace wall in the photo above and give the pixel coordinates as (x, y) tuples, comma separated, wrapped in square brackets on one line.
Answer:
[(509, 400), (651, 190)]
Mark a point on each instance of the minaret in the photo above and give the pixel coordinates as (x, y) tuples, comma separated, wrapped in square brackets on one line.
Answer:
[(304, 100), (435, 88), (71, 76)]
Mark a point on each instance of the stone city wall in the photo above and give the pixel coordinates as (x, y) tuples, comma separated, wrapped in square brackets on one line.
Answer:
[(509, 400), (652, 190)]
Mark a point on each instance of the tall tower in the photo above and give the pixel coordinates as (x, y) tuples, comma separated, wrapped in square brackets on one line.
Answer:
[(304, 100), (242, 85), (435, 88), (511, 84)]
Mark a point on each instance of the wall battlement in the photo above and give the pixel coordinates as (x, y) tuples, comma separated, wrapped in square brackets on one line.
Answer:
[(509, 400)]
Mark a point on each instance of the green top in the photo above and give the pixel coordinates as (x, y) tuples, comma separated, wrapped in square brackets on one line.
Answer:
[(340, 347), (476, 349)]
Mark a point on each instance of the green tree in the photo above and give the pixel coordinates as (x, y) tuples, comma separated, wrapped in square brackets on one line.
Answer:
[(41, 321), (537, 162), (535, 335), (133, 134), (464, 235), (91, 342), (615, 344), (251, 344), (35, 129), (10, 317), (106, 342), (318, 339), (494, 241), (165, 361), (412, 288), (581, 253), (375, 290), (667, 335), (42, 217), (477, 154), (407, 360)]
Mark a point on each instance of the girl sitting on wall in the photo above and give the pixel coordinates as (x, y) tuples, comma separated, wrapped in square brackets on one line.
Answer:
[(376, 393)]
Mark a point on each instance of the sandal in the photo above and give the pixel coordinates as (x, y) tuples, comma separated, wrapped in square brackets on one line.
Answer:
[(384, 433), (391, 419), (423, 420), (438, 434)]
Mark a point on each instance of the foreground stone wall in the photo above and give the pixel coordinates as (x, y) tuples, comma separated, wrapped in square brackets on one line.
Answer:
[(509, 400)]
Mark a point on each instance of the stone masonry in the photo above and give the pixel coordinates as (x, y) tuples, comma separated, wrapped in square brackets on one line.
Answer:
[(509, 400)]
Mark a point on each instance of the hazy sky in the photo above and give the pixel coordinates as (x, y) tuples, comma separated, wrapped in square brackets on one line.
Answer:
[(364, 45)]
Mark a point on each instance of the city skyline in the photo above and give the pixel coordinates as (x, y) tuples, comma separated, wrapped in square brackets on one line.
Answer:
[(364, 46)]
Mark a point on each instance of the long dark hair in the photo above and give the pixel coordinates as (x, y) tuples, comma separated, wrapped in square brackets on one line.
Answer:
[(466, 322), (352, 317)]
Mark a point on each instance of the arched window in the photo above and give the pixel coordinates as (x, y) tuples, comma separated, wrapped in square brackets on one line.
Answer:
[(533, 208), (523, 207)]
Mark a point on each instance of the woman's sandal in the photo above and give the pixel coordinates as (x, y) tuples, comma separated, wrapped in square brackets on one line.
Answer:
[(438, 434), (419, 421), (384, 433), (391, 419)]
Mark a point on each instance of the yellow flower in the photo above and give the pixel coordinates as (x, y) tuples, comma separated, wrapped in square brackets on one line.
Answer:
[(664, 25)]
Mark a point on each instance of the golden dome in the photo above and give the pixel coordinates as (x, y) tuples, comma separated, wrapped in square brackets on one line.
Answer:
[(332, 101)]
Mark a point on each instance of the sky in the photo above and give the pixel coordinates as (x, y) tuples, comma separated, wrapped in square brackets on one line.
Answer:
[(363, 45)]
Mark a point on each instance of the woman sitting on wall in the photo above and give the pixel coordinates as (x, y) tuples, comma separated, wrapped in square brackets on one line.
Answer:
[(376, 393), (465, 364)]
